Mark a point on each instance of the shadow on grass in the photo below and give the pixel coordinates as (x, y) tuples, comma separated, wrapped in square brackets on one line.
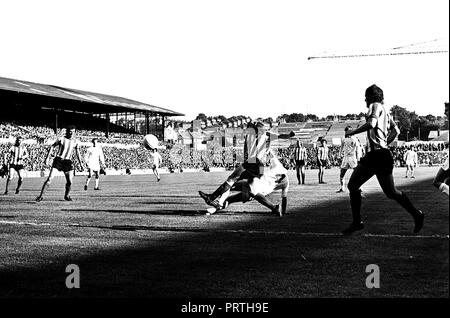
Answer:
[(157, 261)]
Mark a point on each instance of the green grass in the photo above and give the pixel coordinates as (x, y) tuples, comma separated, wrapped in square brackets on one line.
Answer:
[(137, 237)]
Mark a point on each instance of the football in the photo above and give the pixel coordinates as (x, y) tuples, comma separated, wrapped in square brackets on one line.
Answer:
[(150, 142)]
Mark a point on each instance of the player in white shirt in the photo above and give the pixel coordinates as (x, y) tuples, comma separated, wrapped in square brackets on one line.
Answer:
[(410, 158), (157, 160), (17, 154), (62, 162), (442, 177), (94, 157), (274, 178), (349, 153)]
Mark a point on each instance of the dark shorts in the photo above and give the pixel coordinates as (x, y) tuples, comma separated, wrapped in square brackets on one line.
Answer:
[(300, 162), (321, 163), (16, 167), (252, 169), (64, 165), (378, 161)]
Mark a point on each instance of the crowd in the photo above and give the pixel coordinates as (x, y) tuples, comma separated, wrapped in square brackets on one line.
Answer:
[(177, 158)]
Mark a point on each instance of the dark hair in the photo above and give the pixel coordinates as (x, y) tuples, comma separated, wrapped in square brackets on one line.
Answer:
[(69, 127), (347, 128), (94, 139), (374, 94)]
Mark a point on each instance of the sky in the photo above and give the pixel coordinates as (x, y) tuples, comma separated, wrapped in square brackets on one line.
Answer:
[(246, 57)]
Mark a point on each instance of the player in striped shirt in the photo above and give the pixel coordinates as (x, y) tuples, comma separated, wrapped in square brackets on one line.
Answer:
[(322, 159), (381, 131), (300, 157), (17, 154), (63, 161), (256, 146)]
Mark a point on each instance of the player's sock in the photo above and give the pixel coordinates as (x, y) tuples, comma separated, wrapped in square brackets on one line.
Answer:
[(443, 188), (234, 198), (7, 185), (263, 200), (19, 184), (303, 178), (68, 186), (221, 190), (96, 183), (355, 202), (404, 201), (283, 205)]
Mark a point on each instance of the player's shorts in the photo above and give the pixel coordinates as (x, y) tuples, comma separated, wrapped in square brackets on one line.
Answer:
[(410, 163), (64, 165), (378, 161), (300, 162), (16, 167), (252, 169), (321, 163), (349, 162), (90, 171)]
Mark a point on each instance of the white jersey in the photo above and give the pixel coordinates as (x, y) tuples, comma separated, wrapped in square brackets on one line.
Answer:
[(93, 157), (270, 180), (157, 159), (410, 157), (66, 147), (350, 146)]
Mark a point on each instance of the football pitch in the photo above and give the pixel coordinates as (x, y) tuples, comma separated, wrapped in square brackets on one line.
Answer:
[(140, 238)]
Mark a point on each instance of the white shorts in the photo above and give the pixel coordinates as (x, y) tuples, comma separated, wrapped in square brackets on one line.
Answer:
[(94, 167), (410, 163), (349, 163)]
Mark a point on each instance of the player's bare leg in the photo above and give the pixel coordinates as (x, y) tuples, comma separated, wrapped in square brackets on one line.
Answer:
[(19, 181), (69, 178), (156, 173), (88, 179), (97, 180), (8, 179), (46, 184), (342, 180)]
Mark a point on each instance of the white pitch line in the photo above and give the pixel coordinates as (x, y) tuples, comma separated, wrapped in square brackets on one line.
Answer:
[(186, 229)]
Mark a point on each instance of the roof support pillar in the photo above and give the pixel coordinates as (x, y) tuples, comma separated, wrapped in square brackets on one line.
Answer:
[(107, 125)]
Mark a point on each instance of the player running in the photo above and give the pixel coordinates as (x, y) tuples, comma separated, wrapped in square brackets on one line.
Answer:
[(410, 158), (349, 153), (157, 160), (381, 131), (256, 145), (62, 162), (300, 157), (94, 157), (17, 154), (273, 178)]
